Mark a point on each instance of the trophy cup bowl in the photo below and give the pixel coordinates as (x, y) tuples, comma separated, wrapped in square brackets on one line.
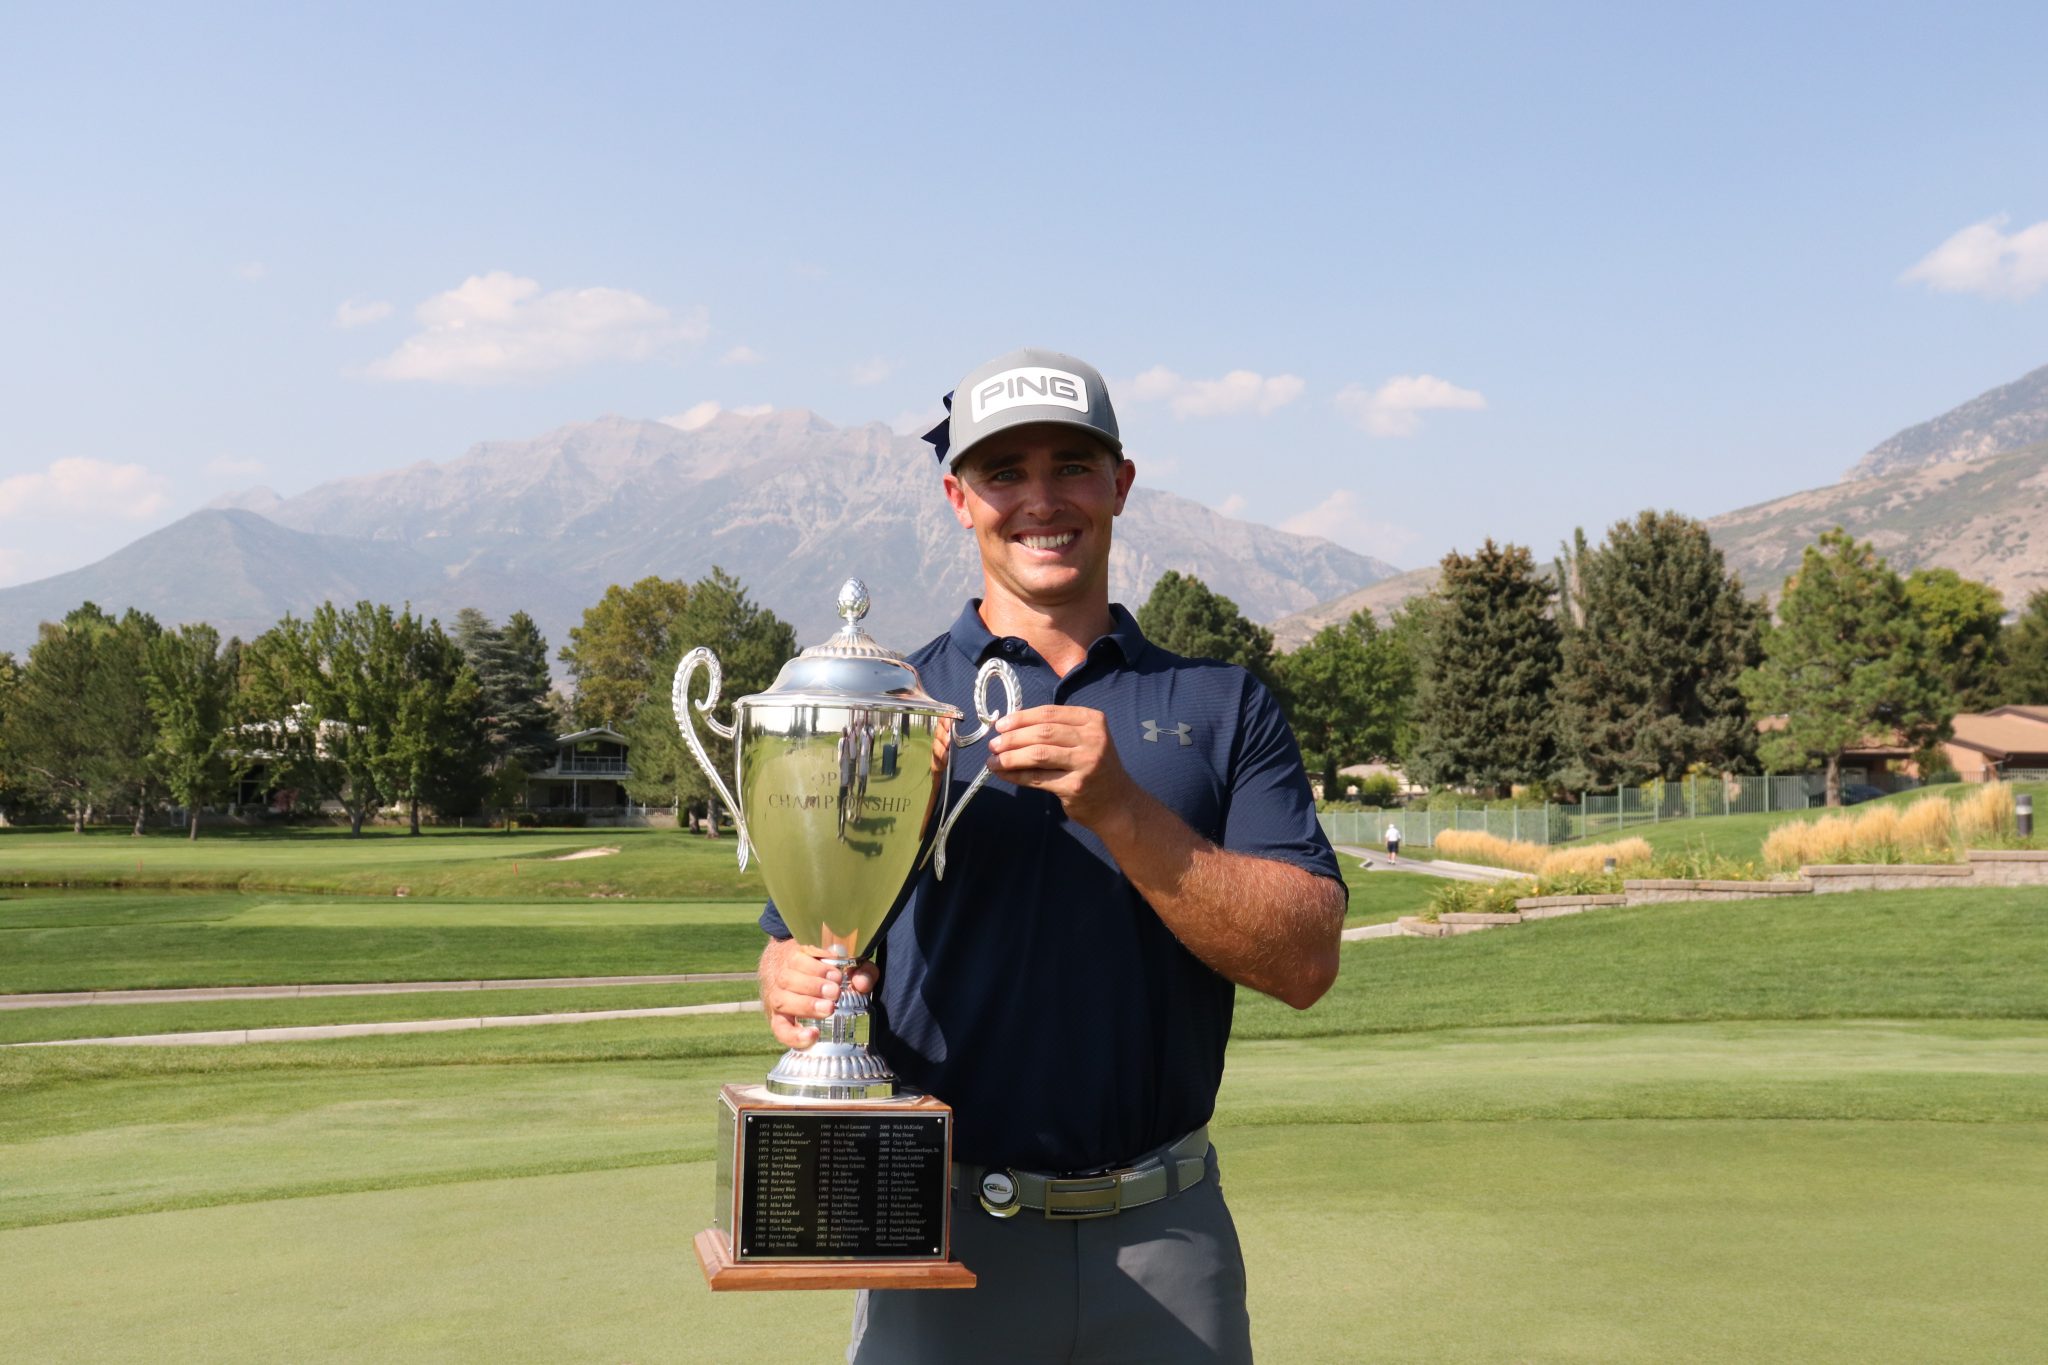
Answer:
[(842, 769)]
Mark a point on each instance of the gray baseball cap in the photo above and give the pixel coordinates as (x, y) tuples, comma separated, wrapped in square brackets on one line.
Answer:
[(1025, 386)]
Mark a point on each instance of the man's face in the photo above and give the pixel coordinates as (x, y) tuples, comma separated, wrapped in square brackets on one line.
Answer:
[(1040, 500)]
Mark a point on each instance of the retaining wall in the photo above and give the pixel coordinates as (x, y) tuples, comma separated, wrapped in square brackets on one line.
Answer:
[(1659, 891)]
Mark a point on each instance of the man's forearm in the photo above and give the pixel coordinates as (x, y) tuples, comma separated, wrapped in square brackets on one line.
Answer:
[(1264, 924)]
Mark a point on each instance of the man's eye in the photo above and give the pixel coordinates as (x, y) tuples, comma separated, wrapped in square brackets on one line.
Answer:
[(1077, 469)]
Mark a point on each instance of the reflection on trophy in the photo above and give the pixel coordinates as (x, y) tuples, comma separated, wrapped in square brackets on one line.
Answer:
[(827, 1177)]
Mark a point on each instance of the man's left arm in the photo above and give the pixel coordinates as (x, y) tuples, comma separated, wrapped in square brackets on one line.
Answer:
[(1263, 923)]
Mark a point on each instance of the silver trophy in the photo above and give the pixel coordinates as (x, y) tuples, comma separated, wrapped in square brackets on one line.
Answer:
[(840, 768)]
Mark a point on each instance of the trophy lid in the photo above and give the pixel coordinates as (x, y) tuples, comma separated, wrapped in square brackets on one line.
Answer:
[(850, 669)]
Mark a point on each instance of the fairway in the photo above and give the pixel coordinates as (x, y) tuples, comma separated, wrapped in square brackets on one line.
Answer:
[(1665, 1132)]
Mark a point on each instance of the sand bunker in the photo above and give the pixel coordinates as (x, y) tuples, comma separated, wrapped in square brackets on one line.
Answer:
[(582, 853)]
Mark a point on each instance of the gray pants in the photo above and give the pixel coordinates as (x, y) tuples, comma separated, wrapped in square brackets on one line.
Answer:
[(1163, 1283)]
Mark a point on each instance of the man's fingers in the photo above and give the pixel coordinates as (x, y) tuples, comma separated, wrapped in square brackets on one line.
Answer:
[(1010, 762), (866, 976)]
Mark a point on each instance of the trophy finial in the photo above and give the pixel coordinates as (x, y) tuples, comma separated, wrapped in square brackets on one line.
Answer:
[(853, 600)]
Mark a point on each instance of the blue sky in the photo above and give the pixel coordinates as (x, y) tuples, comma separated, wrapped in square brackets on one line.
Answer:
[(1403, 278)]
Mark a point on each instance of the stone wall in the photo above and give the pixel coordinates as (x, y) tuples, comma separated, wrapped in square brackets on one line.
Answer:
[(1887, 876)]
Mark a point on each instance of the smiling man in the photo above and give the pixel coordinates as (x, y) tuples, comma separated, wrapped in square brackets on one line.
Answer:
[(1147, 842)]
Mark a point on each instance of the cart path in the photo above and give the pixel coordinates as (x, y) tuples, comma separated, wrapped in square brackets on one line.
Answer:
[(198, 993), (308, 1032), (1375, 861)]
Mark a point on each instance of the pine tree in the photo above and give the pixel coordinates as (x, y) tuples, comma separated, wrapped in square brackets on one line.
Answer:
[(1846, 663), (1964, 622), (1489, 659), (1346, 691), (1182, 615), (511, 668), (1654, 633)]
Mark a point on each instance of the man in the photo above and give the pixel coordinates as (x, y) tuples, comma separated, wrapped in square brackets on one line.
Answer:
[(1147, 838)]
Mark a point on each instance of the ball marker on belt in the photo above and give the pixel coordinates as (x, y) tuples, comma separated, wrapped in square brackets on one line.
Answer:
[(998, 1194)]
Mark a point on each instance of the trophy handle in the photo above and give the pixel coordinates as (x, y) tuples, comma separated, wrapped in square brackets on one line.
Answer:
[(679, 698), (996, 670)]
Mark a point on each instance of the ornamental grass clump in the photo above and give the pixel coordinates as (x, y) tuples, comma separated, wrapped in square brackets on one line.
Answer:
[(1931, 830), (1985, 815), (1489, 850), (1591, 859)]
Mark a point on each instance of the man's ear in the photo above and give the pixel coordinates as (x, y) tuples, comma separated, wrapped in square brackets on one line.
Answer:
[(1125, 472), (956, 494)]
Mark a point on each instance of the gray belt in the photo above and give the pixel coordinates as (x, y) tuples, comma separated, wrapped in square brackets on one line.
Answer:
[(1166, 1172)]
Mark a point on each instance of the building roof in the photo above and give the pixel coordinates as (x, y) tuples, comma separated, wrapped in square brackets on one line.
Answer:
[(2005, 731), (594, 732)]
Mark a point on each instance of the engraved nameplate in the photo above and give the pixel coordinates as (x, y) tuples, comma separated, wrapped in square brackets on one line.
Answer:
[(829, 1184)]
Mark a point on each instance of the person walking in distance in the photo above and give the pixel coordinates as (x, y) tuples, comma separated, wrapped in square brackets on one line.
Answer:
[(1394, 843), (1146, 844)]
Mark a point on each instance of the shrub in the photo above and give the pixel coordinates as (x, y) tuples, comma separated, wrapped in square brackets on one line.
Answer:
[(1479, 898), (1985, 814), (1380, 789), (1932, 829)]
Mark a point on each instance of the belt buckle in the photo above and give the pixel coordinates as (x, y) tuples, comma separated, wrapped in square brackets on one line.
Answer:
[(1083, 1197)]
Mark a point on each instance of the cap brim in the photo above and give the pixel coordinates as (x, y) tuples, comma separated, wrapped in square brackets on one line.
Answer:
[(997, 425)]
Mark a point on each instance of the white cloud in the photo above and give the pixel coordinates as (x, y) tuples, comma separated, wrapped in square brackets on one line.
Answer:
[(1233, 506), (252, 271), (694, 416), (700, 414), (501, 326), (1236, 392), (86, 488), (1395, 408), (742, 355), (349, 313), (1985, 259), (223, 467), (1339, 517), (872, 371)]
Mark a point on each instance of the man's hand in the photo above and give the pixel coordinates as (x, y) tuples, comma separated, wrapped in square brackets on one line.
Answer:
[(1067, 751), (797, 987)]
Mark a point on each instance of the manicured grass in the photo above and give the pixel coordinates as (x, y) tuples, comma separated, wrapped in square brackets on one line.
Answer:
[(113, 1021), (1383, 897), (660, 864), (1506, 1194), (130, 940), (1891, 954)]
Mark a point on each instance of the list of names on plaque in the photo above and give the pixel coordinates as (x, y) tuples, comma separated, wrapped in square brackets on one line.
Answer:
[(854, 1186)]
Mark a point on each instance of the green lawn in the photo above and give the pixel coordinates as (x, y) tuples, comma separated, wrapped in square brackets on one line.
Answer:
[(662, 864), (127, 940), (1674, 1132)]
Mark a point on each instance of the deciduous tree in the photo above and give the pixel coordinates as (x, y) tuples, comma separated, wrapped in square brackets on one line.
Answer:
[(613, 655), (1964, 624), (751, 643), (2022, 677), (1346, 691), (1184, 616), (193, 692), (1847, 662)]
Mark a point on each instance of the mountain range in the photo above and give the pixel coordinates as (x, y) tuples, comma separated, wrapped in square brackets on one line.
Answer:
[(787, 502), (1964, 491), (792, 505)]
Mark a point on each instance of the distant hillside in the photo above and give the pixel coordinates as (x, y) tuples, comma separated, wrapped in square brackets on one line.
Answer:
[(1999, 422), (789, 503), (1382, 599), (1977, 517)]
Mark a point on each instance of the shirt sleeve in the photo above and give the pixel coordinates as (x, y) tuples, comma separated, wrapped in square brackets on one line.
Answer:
[(771, 922), (1272, 810)]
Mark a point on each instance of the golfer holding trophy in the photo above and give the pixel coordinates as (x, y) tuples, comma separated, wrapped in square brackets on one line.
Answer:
[(1055, 978)]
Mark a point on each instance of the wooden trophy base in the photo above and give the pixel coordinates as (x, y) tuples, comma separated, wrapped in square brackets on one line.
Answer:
[(831, 1194)]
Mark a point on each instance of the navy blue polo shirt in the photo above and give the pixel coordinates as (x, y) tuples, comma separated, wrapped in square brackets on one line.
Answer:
[(1033, 989)]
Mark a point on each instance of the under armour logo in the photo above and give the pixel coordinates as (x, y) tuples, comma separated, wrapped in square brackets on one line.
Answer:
[(1152, 732)]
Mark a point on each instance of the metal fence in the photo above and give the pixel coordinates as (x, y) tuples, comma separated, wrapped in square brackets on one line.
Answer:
[(1605, 812)]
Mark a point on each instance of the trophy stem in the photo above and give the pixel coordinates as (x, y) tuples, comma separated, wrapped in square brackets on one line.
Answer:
[(838, 1066)]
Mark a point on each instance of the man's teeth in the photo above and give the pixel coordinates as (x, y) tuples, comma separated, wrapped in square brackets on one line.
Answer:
[(1049, 542)]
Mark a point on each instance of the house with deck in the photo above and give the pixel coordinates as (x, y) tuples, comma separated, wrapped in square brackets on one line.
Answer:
[(589, 773)]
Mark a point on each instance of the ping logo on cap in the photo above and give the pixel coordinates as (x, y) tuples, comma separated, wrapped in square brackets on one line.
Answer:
[(1029, 384)]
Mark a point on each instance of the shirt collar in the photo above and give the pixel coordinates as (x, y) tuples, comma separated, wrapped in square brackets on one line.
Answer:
[(972, 637)]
